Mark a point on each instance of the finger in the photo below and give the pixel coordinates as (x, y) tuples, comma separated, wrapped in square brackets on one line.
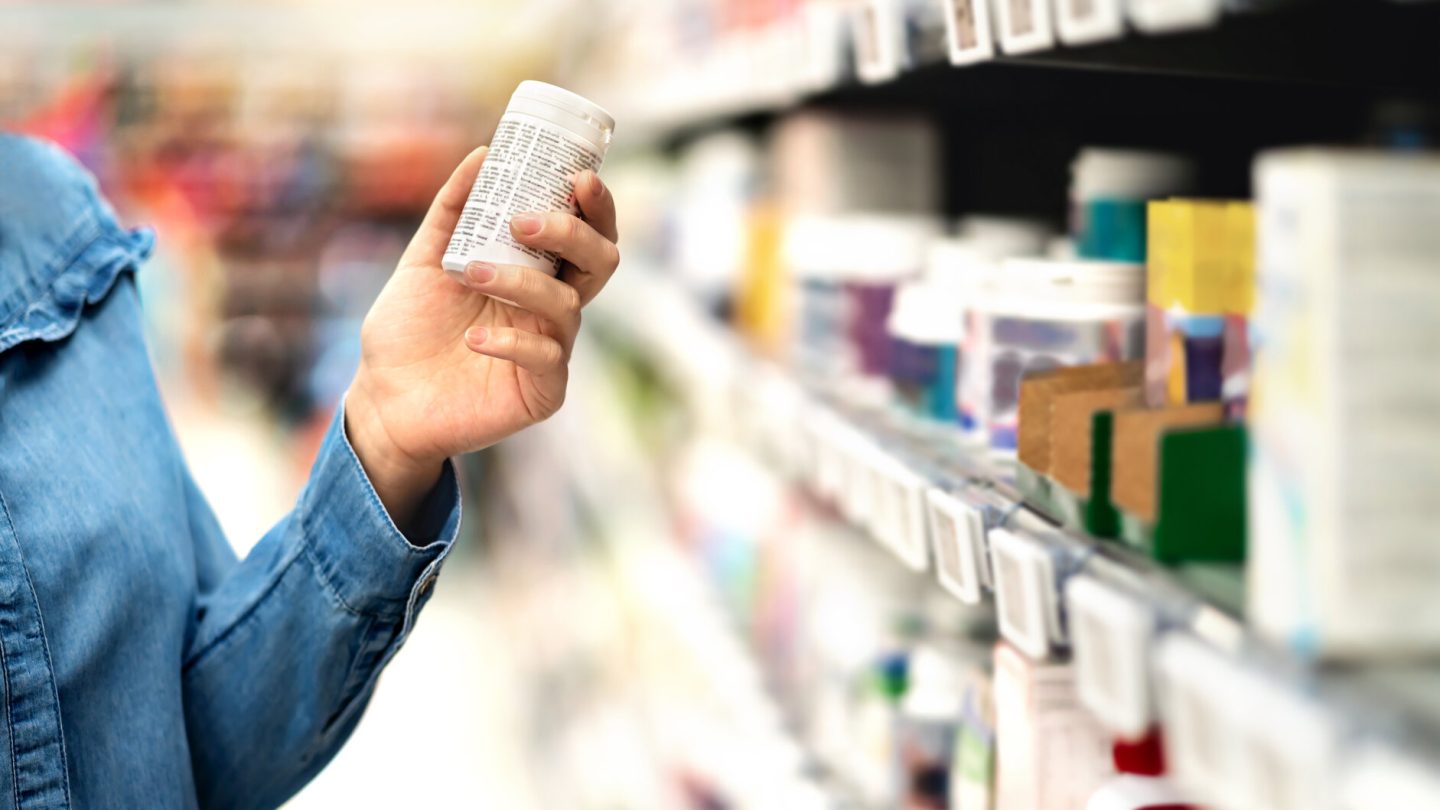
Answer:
[(597, 205), (531, 290), (433, 236), (594, 257), (537, 354)]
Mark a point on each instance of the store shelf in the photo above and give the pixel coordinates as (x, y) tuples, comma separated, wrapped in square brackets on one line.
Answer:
[(1151, 644), (1285, 52)]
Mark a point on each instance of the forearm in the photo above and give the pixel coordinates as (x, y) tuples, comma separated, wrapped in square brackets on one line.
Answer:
[(287, 643)]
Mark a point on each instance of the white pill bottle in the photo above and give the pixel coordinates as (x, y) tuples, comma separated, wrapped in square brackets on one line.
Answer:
[(546, 137)]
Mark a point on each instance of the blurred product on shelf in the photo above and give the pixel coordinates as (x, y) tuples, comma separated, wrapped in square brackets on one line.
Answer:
[(1140, 783), (926, 326), (1064, 453), (1179, 481), (972, 259), (1200, 289), (1045, 313), (1345, 450), (834, 163), (926, 730), (846, 271), (1051, 755), (1109, 189), (717, 178)]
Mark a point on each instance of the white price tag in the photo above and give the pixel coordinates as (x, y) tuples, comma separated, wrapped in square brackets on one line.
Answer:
[(1025, 585), (968, 27), (1289, 748), (1111, 635), (879, 40), (1162, 16), (953, 524), (911, 530), (1082, 22), (1197, 688), (1025, 25)]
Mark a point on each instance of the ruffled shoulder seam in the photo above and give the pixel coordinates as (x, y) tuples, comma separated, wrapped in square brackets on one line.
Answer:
[(55, 312)]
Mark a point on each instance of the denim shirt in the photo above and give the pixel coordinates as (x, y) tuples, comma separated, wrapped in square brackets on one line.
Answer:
[(141, 664)]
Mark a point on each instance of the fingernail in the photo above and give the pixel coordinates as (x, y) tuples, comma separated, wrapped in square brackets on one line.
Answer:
[(477, 335), (480, 272), (595, 185), (528, 224)]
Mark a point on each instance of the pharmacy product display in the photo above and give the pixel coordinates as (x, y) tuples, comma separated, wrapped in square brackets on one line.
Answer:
[(546, 138), (1080, 432)]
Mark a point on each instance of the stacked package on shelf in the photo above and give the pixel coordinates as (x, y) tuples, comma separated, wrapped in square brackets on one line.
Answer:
[(1345, 439), (1201, 266), (1168, 477), (1065, 445), (1105, 309), (1178, 468)]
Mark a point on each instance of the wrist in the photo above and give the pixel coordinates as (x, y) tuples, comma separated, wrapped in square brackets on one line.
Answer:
[(401, 479)]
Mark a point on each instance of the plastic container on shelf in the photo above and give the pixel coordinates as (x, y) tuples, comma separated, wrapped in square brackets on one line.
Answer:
[(1108, 192), (925, 327), (1043, 313), (965, 266), (885, 250), (846, 269)]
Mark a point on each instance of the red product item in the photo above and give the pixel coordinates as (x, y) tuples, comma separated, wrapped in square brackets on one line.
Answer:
[(1143, 757), (1141, 785)]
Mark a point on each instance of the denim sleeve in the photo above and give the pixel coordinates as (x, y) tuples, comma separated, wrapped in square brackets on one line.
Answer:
[(289, 642)]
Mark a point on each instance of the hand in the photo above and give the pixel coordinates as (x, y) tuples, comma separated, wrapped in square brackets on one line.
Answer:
[(445, 367)]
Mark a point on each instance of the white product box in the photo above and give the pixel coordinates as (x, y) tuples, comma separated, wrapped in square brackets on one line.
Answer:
[(1345, 439), (1050, 753)]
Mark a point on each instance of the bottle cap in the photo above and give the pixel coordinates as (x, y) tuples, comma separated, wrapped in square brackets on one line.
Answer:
[(565, 100)]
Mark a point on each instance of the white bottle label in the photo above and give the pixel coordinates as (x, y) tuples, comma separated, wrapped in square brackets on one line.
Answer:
[(531, 167)]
